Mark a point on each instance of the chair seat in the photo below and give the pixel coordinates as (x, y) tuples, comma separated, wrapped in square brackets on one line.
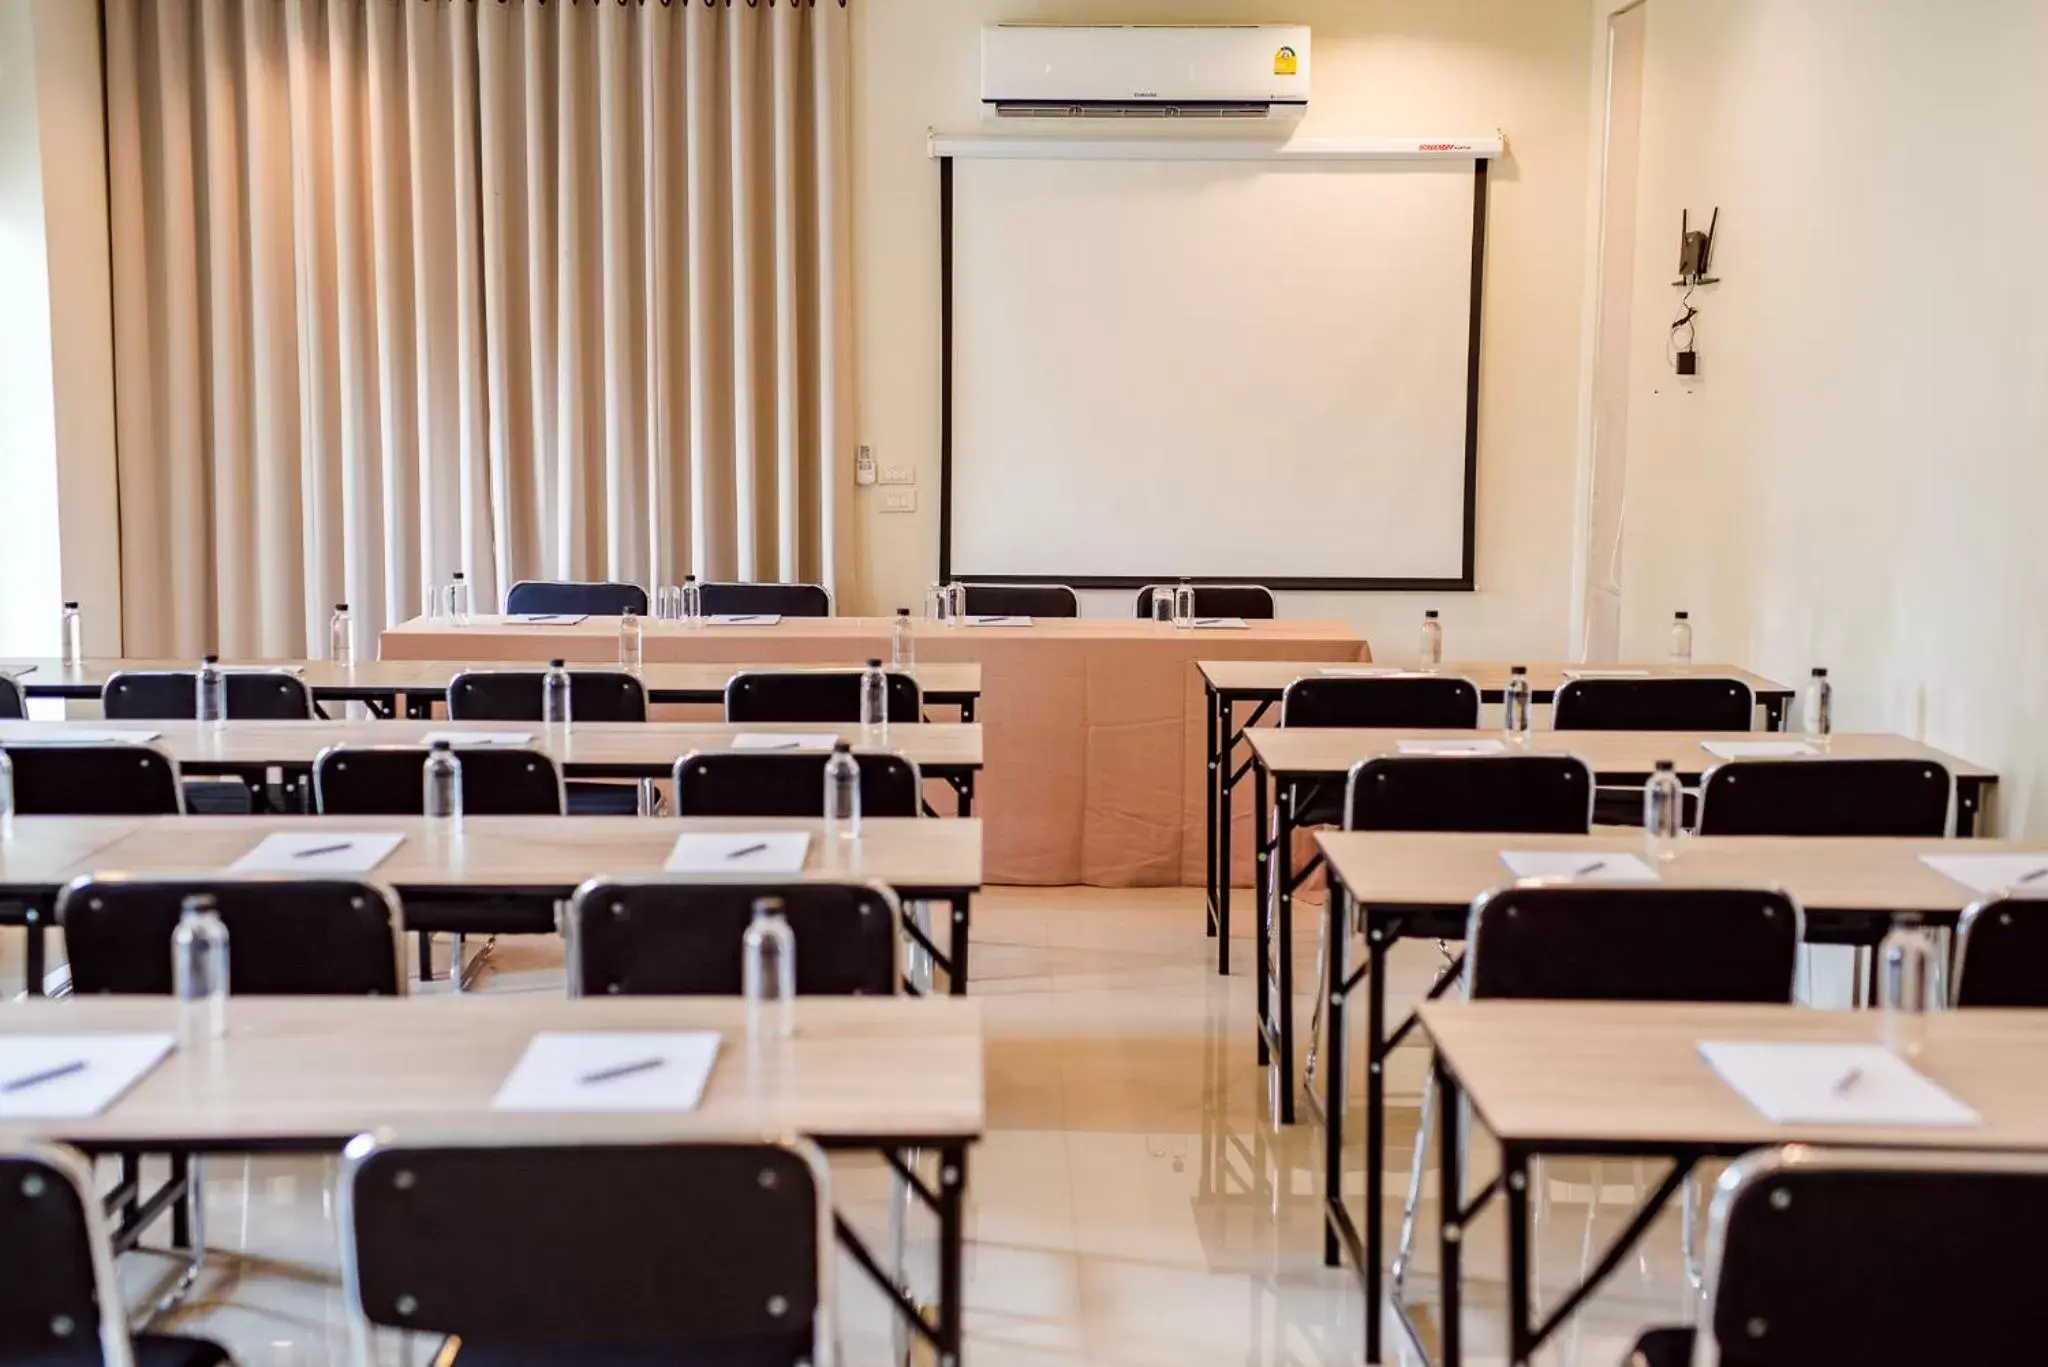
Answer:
[(151, 1350), (217, 797), (603, 799), (1624, 807), (750, 1353), (1663, 1348)]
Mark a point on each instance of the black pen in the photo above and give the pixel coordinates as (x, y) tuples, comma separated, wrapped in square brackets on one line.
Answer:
[(22, 1084), (2036, 876), (644, 1065), (1594, 867), (746, 850), (323, 849)]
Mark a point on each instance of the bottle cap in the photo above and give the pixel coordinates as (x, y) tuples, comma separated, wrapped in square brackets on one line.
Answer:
[(903, 612), (341, 607), (689, 579), (211, 659), (1683, 616), (840, 747), (71, 603), (556, 664), (1518, 669), (458, 576), (1664, 766), (1820, 673), (1429, 616), (874, 664), (441, 745)]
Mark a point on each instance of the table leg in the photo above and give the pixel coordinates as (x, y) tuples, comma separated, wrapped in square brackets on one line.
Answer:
[(957, 972), (967, 711), (1261, 855), (1375, 1127), (1515, 1174), (34, 951), (1337, 945), (1450, 1202), (1211, 775), (952, 1238), (965, 788), (1283, 888), (1225, 786)]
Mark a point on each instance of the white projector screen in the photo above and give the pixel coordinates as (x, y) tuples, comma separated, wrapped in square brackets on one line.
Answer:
[(1250, 370)]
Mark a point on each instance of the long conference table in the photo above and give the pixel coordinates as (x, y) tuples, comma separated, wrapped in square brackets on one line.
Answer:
[(1094, 726), (511, 862), (1391, 886), (307, 1075)]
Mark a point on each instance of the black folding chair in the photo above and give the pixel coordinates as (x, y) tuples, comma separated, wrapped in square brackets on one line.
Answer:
[(173, 695), (1524, 794), (1021, 600), (676, 938), (13, 700), (814, 695), (94, 780), (594, 695), (1823, 797), (60, 1300), (790, 783), (726, 599), (1888, 1258), (286, 936), (2002, 953), (1253, 602), (595, 598), (613, 1254), (1421, 701), (1678, 704)]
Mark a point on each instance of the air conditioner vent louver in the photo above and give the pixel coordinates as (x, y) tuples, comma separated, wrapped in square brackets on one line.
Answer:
[(1162, 71)]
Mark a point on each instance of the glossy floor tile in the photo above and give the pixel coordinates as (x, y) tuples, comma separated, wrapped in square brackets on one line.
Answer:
[(1133, 1203)]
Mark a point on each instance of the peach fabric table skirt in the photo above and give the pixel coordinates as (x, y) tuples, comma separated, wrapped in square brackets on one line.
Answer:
[(1092, 727)]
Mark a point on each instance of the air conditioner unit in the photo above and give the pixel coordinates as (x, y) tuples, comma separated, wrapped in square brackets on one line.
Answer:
[(1243, 71)]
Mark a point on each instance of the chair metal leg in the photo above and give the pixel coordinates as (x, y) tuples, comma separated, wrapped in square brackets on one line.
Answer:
[(1689, 1221), (466, 973), (900, 1202), (193, 1210), (1404, 1246), (919, 970), (1315, 1017)]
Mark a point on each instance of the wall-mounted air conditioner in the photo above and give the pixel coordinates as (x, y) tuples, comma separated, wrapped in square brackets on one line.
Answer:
[(1246, 71)]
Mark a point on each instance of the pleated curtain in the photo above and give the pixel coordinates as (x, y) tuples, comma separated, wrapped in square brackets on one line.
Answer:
[(522, 288)]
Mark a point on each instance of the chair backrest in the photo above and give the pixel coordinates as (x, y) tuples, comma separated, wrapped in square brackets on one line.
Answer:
[(286, 936), (610, 1247), (1608, 942), (13, 699), (56, 1263), (95, 780), (389, 780), (1253, 602), (766, 783), (1529, 794), (2002, 953), (813, 695), (1021, 600), (515, 695), (675, 938), (173, 695), (787, 600), (1686, 704), (597, 598), (1888, 1258), (1842, 797), (1424, 701)]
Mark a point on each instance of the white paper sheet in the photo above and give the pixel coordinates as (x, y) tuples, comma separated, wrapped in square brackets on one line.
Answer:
[(2026, 874), (1607, 673), (458, 739), (317, 852), (743, 619), (1833, 1084), (783, 740), (739, 852), (77, 735), (995, 620), (296, 671), (1222, 624), (1362, 671), (1453, 747), (546, 619), (556, 1072), (17, 671), (113, 1064), (1757, 749), (1581, 866)]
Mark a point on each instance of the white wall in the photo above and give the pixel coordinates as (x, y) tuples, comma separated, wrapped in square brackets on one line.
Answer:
[(1389, 67), (1859, 476)]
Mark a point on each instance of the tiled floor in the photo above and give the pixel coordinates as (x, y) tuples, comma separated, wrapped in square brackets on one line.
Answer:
[(1132, 1204)]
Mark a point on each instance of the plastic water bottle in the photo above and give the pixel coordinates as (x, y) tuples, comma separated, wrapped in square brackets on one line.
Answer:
[(70, 638), (768, 971), (842, 793), (1515, 705), (632, 639), (903, 642), (341, 637), (554, 694), (1162, 605), (1432, 640), (6, 797), (199, 970), (693, 600), (1818, 708), (1681, 638), (874, 701), (213, 693), (458, 600), (935, 602), (441, 794), (1905, 984), (433, 603), (1663, 812), (1184, 605), (956, 603)]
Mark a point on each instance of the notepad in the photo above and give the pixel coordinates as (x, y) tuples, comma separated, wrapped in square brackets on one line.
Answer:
[(318, 852), (784, 740), (462, 738), (1363, 671), (743, 619), (80, 1075), (1453, 747), (296, 671), (1757, 749), (16, 671), (610, 1072), (739, 852), (1221, 624), (78, 735), (546, 619), (1607, 673), (996, 620), (1833, 1084), (2026, 874), (1580, 866)]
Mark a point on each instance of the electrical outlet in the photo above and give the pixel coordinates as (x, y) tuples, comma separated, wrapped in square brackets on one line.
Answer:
[(899, 474), (864, 465), (900, 501)]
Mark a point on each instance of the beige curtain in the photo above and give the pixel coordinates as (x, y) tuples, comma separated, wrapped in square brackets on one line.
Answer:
[(525, 288)]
